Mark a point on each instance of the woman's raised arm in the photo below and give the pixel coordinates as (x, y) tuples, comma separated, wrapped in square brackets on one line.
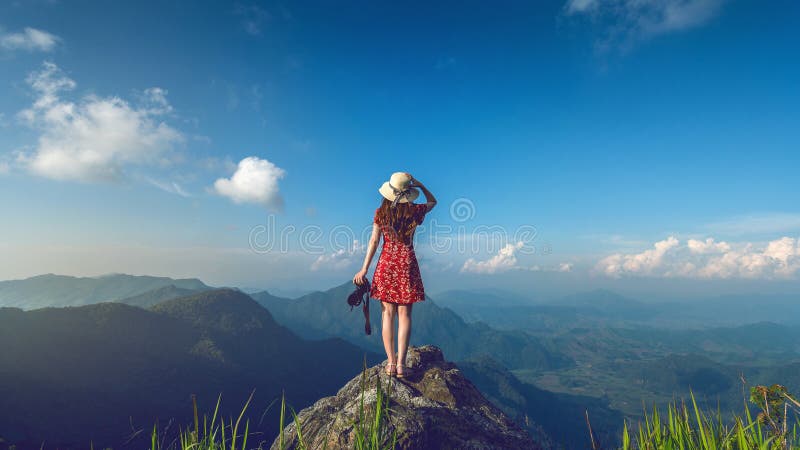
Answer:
[(430, 200)]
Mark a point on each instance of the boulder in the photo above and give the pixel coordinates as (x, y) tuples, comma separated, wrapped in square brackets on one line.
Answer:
[(433, 407)]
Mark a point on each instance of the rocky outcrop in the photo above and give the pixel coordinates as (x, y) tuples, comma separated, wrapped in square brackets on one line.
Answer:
[(433, 407)]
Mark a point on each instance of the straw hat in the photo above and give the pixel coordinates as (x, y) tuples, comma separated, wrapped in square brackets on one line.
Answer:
[(399, 189)]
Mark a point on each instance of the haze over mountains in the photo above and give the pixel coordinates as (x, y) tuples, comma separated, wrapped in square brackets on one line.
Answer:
[(325, 314), (103, 372), (61, 290), (110, 367), (606, 308)]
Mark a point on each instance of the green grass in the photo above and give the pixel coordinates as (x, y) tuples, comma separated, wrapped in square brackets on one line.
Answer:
[(371, 428), (686, 427)]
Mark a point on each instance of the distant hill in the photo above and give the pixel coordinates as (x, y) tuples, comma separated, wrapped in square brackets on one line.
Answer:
[(158, 295), (590, 309), (599, 299), (69, 376), (480, 305), (630, 366), (325, 314), (480, 297), (60, 290), (732, 310), (561, 416)]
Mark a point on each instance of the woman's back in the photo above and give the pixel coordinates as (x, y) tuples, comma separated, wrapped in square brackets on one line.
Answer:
[(399, 222)]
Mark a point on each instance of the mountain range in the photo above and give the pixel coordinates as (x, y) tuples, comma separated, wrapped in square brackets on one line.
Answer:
[(105, 373), (326, 314), (60, 290), (602, 308), (104, 361)]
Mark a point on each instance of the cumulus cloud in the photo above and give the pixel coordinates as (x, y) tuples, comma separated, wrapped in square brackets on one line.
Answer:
[(640, 263), (255, 181), (340, 259), (708, 259), (506, 260), (30, 39), (563, 267), (96, 138), (503, 261), (624, 21), (707, 246)]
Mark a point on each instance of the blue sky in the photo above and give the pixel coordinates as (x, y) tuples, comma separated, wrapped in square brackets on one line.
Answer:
[(155, 137)]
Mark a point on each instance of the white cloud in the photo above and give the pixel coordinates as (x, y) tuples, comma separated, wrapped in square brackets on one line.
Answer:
[(708, 259), (96, 138), (563, 267), (707, 246), (169, 186), (578, 6), (255, 181), (30, 39), (340, 259), (625, 21), (155, 102), (503, 261), (506, 260), (640, 263), (4, 168)]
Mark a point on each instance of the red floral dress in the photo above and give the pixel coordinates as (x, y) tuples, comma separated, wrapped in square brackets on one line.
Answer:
[(397, 278)]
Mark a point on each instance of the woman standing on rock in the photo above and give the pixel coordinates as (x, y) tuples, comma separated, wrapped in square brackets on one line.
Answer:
[(396, 282)]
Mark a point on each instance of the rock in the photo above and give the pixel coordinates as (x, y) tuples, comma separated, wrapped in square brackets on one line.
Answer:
[(433, 407)]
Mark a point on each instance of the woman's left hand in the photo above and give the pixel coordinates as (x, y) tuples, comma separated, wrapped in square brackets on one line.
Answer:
[(359, 277)]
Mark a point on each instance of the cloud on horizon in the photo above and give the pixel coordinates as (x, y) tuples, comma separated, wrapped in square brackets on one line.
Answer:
[(506, 260), (707, 259), (340, 259)]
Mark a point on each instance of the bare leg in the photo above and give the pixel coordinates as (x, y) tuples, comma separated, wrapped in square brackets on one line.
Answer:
[(403, 333), (387, 324)]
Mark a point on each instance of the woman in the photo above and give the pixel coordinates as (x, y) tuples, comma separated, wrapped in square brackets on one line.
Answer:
[(396, 282)]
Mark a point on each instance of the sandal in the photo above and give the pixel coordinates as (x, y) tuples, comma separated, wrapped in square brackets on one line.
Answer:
[(399, 374), (388, 372)]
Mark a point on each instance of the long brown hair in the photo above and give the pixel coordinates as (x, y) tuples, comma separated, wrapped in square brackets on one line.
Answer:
[(399, 221)]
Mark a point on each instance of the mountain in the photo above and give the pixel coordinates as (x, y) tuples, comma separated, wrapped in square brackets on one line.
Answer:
[(60, 290), (590, 309), (158, 295), (732, 310), (560, 416), (751, 344), (600, 299), (482, 305), (100, 373), (326, 314), (625, 367), (434, 407), (480, 297)]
